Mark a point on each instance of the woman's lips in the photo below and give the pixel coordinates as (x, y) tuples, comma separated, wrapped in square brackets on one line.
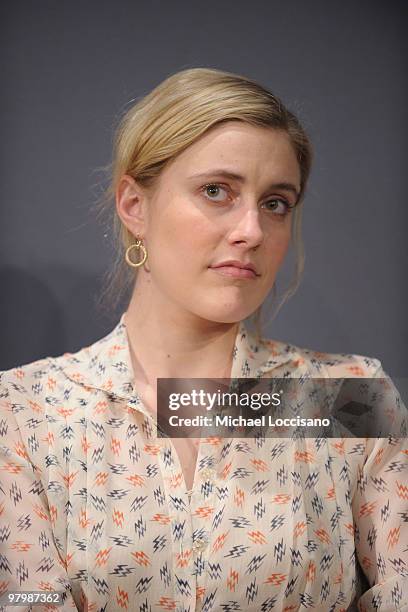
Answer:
[(234, 271)]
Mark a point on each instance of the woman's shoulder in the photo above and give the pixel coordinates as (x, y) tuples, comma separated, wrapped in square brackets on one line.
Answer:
[(24, 380), (319, 363), (46, 377), (31, 379), (381, 396)]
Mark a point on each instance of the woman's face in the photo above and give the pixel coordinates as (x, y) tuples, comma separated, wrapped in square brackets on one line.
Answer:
[(201, 216)]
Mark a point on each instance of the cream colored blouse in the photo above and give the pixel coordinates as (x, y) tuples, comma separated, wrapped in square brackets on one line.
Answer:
[(94, 504)]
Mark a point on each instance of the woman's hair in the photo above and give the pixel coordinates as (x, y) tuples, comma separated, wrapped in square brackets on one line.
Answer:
[(162, 124)]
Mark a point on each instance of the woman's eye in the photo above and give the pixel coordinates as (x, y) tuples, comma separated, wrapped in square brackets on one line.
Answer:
[(212, 191), (278, 206)]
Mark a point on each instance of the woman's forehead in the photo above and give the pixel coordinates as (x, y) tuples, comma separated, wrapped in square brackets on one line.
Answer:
[(238, 149)]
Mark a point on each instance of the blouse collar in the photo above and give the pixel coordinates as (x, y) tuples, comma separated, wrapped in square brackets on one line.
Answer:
[(106, 364)]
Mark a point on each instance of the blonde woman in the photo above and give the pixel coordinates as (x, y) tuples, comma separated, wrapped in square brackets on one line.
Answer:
[(209, 174)]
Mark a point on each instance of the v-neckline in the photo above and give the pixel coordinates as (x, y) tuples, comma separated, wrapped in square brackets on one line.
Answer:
[(187, 450)]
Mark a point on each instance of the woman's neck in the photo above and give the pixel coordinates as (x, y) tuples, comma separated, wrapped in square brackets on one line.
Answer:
[(167, 343)]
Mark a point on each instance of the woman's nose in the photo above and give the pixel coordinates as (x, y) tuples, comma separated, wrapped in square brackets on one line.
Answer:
[(247, 229)]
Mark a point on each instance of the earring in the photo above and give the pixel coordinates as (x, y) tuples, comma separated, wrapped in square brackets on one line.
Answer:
[(138, 245)]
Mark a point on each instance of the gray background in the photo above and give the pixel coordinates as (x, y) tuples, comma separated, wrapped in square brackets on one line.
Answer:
[(69, 69)]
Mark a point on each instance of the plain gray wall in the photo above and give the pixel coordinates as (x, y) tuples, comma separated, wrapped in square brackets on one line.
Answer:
[(69, 69)]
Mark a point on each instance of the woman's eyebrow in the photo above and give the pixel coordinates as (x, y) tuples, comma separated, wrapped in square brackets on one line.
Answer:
[(238, 177)]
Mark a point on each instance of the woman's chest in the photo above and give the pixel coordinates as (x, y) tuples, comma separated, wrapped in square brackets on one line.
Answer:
[(267, 518)]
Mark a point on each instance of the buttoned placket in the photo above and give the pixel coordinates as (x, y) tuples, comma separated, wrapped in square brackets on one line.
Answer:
[(170, 472), (197, 537), (186, 546)]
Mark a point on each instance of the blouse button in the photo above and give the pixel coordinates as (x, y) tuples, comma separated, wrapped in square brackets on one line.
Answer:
[(199, 544), (208, 474)]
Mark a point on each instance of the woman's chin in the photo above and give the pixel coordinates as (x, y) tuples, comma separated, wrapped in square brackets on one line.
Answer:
[(230, 315)]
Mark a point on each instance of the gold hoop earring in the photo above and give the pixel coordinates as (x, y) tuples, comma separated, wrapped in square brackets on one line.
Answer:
[(138, 245)]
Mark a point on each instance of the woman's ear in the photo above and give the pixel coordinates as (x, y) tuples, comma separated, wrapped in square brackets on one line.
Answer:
[(131, 205)]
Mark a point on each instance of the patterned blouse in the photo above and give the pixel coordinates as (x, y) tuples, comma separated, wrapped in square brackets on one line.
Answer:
[(94, 504)]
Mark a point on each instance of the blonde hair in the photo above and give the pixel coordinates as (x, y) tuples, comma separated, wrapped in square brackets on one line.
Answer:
[(162, 124)]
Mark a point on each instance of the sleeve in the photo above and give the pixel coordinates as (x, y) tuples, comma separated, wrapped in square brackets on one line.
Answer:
[(380, 511), (29, 558)]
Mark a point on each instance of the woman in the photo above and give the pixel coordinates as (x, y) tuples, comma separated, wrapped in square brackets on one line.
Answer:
[(209, 175)]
